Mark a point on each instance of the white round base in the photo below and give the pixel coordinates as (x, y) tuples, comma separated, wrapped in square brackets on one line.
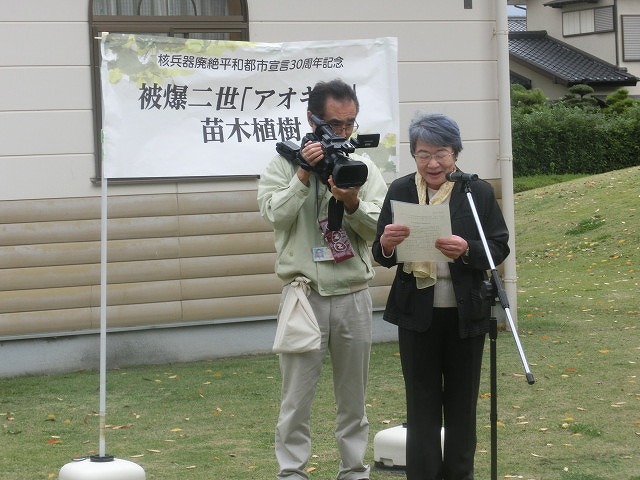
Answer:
[(389, 447), (110, 469)]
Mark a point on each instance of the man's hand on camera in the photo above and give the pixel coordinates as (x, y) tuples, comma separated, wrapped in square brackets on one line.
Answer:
[(311, 153), (348, 196)]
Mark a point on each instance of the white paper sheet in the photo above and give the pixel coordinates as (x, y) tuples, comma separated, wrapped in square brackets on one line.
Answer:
[(427, 223)]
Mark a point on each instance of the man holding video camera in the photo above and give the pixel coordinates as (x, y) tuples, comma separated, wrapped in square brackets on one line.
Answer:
[(294, 197)]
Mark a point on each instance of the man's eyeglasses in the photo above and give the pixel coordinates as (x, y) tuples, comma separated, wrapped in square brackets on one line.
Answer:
[(339, 127), (426, 156)]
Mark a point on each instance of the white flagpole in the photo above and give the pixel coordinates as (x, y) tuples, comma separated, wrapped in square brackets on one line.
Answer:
[(102, 466), (103, 316)]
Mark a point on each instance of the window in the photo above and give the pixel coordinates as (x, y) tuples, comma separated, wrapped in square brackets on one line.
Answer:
[(203, 19), (631, 38), (582, 22)]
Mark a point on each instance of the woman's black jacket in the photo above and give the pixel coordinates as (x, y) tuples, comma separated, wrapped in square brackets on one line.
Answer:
[(410, 307)]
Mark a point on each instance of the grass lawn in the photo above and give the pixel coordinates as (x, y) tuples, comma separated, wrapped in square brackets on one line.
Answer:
[(577, 250)]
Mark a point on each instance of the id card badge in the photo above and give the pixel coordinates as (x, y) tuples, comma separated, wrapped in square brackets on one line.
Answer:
[(338, 242), (322, 254)]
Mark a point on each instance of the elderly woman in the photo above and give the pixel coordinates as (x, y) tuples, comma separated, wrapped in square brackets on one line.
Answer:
[(439, 308)]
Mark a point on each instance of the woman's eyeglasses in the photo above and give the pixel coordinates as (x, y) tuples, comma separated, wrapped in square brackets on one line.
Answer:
[(426, 156)]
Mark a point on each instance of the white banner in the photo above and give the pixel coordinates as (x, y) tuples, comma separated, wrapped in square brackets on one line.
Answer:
[(192, 108)]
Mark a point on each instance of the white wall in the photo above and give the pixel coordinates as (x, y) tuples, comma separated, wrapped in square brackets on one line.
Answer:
[(46, 123), (447, 60), (447, 63)]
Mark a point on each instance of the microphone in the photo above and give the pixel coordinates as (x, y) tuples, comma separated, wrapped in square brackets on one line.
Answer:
[(461, 177)]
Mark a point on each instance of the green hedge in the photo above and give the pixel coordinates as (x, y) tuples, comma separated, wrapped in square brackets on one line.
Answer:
[(560, 139)]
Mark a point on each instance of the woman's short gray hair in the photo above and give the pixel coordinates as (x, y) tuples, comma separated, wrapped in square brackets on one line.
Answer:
[(436, 129)]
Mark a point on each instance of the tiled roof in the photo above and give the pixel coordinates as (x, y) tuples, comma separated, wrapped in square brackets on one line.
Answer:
[(563, 63), (517, 24)]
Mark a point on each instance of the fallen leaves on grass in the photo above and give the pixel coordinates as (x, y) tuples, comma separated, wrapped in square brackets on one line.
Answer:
[(119, 427), (54, 440)]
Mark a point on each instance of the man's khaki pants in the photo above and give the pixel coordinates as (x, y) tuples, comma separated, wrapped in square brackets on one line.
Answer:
[(346, 325)]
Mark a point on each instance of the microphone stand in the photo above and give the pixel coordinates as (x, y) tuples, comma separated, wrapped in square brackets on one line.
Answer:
[(494, 289)]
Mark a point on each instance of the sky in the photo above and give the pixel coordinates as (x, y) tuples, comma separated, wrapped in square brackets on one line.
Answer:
[(513, 11)]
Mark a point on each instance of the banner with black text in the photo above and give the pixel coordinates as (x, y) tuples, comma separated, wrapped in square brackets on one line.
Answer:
[(199, 108)]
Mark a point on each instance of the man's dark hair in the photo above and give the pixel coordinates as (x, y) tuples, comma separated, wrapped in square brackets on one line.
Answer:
[(336, 89)]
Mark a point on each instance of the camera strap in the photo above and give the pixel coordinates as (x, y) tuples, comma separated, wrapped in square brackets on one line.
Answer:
[(335, 211)]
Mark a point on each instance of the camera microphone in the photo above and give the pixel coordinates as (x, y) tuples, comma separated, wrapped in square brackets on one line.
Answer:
[(461, 177)]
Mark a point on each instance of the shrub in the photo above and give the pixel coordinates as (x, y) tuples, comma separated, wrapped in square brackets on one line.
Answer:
[(572, 136)]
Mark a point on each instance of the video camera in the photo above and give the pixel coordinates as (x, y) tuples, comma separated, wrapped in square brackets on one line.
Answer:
[(336, 162)]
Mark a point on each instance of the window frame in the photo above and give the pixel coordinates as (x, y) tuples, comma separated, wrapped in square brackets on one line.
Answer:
[(593, 21), (635, 30), (236, 25)]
